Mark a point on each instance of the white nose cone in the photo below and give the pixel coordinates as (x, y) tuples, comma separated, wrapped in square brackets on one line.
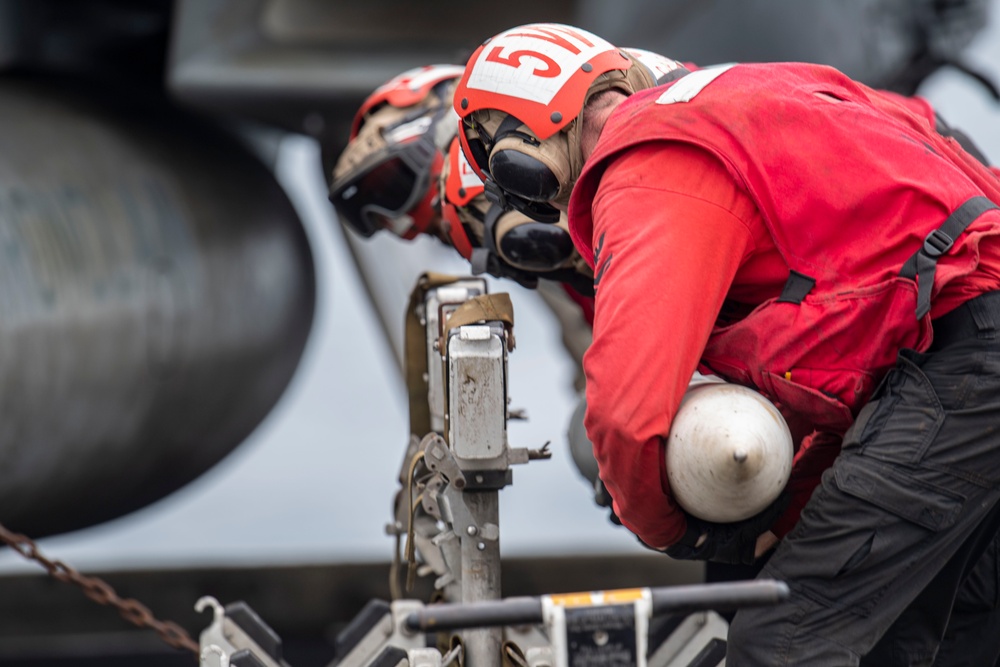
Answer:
[(729, 453)]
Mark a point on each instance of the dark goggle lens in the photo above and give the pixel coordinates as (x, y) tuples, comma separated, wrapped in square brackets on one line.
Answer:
[(390, 189), (391, 184)]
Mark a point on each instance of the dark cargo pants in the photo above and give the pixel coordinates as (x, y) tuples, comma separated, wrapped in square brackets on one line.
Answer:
[(897, 525)]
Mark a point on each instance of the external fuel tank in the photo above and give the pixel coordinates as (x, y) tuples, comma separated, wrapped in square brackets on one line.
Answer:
[(156, 294)]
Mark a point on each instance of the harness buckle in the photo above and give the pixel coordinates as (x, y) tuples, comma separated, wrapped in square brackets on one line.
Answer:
[(937, 243)]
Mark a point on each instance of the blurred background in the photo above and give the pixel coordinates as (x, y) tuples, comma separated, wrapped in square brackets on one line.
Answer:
[(202, 383)]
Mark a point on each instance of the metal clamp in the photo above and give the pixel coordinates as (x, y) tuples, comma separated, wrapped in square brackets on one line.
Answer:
[(238, 637)]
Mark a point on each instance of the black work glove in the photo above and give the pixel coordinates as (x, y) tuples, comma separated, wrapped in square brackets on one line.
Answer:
[(732, 543), (603, 498), (484, 261)]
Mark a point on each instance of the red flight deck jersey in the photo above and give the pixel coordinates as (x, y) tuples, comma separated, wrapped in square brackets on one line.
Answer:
[(695, 213)]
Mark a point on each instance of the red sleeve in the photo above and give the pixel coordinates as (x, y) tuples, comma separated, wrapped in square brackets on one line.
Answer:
[(665, 261)]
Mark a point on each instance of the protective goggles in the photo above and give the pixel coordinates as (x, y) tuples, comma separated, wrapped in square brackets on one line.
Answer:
[(513, 179), (387, 187)]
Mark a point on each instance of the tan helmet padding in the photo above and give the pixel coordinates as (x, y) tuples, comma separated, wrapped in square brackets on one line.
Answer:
[(361, 151), (370, 140)]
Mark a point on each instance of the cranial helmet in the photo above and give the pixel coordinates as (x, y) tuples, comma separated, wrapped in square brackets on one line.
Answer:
[(463, 205), (386, 177), (520, 99)]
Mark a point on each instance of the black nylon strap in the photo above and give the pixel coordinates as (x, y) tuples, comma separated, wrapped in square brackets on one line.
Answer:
[(977, 318), (507, 125), (480, 256), (922, 264), (796, 287), (493, 214), (984, 317), (479, 261)]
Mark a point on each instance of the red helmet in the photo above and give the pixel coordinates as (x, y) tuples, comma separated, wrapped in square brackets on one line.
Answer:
[(386, 177), (405, 90), (519, 98), (461, 185)]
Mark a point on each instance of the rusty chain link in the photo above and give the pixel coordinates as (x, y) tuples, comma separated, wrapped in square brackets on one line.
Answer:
[(101, 592)]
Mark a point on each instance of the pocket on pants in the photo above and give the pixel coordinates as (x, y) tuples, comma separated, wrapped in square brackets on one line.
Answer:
[(905, 514), (904, 496), (906, 420), (867, 527)]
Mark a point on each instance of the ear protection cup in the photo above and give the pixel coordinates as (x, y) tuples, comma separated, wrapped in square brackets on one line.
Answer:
[(536, 173), (534, 246), (524, 175)]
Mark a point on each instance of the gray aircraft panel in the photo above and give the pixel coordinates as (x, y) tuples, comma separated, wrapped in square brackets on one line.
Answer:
[(315, 479)]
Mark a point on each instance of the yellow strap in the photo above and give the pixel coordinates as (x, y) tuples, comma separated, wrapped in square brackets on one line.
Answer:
[(591, 598)]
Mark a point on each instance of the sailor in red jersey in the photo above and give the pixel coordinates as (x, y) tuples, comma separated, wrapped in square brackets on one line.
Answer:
[(789, 229)]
